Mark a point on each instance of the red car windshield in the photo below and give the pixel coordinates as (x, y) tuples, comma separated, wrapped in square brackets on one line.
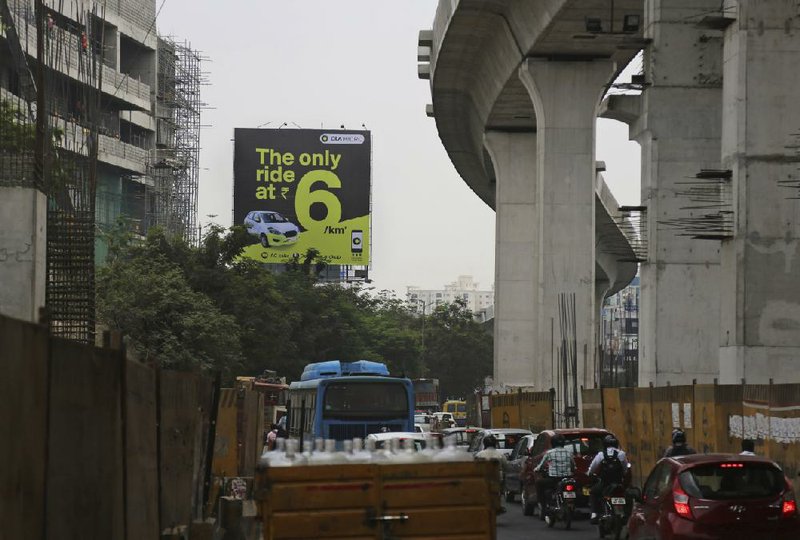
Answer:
[(733, 481)]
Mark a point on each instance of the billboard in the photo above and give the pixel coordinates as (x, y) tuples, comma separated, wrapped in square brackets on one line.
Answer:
[(295, 189)]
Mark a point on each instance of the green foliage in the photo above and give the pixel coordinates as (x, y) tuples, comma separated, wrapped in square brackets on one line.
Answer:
[(204, 307), (16, 135), (458, 351)]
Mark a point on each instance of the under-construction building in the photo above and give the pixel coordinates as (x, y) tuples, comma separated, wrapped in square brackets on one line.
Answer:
[(99, 125)]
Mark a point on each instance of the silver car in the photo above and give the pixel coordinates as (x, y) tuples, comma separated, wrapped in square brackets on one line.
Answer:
[(271, 228)]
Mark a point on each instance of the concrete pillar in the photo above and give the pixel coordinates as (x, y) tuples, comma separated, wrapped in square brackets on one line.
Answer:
[(516, 251), (679, 132), (760, 323), (565, 96), (23, 223)]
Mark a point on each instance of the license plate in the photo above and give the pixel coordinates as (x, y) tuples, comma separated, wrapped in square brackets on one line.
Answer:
[(618, 500), (569, 494), (586, 491)]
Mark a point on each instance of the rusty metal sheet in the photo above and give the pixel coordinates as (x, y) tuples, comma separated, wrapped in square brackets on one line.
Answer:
[(705, 420), (525, 410), (85, 472), (729, 419), (592, 405), (505, 412), (178, 438), (644, 453), (141, 448), (226, 452), (783, 441), (615, 421), (23, 387)]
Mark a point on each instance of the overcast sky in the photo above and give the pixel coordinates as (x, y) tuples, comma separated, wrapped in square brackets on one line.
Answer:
[(320, 63)]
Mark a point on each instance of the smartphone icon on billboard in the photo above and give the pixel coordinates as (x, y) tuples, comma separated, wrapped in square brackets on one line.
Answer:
[(357, 241)]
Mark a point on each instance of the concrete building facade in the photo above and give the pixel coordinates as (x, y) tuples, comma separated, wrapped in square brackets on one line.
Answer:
[(464, 288), (144, 134)]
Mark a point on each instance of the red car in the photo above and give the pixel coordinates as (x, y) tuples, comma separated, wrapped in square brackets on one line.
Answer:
[(715, 496), (585, 443)]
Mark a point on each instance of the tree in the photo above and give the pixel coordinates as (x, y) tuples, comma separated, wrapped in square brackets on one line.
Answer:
[(458, 351), (207, 307), (146, 296)]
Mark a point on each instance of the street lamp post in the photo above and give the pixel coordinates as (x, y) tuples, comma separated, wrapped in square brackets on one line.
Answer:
[(422, 340)]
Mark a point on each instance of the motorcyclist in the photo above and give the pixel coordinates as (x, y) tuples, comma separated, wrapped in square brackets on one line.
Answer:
[(559, 463), (609, 466), (679, 446)]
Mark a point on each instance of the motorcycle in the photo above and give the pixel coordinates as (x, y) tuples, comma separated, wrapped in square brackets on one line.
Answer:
[(561, 504), (615, 511)]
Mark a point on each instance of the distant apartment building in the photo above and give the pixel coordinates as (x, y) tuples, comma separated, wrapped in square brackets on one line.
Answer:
[(464, 288), (122, 109)]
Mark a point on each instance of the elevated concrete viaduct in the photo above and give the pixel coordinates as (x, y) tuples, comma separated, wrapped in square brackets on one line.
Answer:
[(515, 89)]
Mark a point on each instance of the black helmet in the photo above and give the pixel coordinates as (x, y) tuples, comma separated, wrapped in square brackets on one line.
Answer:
[(609, 441), (490, 441), (678, 437), (558, 440)]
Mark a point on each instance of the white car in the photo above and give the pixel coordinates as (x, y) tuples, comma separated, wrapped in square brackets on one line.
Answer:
[(271, 228)]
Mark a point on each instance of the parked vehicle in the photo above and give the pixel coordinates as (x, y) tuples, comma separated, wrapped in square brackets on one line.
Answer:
[(271, 228), (715, 496), (561, 503), (513, 467), (584, 443), (506, 439)]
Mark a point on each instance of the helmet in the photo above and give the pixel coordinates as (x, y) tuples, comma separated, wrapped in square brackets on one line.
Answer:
[(678, 437), (490, 441), (609, 441), (558, 440)]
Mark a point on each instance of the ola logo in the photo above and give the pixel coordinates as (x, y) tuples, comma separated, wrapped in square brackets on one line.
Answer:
[(356, 241), (324, 138)]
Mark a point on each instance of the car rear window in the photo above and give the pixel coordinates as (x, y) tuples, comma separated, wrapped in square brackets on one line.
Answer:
[(508, 441), (585, 445), (731, 481)]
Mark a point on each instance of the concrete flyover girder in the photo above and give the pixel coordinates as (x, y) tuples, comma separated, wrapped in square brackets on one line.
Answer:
[(477, 48)]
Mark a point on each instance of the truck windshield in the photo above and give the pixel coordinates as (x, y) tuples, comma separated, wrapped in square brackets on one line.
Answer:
[(379, 399)]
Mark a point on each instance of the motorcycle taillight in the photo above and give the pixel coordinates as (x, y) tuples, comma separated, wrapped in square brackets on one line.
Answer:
[(569, 487)]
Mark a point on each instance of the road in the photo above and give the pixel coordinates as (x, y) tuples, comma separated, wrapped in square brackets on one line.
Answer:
[(514, 526)]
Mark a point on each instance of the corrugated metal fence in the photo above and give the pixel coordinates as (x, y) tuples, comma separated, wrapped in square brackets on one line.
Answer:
[(96, 445), (715, 418)]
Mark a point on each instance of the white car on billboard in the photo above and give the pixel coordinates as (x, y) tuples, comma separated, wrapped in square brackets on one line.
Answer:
[(271, 228)]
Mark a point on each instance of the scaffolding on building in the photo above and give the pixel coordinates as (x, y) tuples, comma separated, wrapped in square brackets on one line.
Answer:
[(173, 168), (60, 132)]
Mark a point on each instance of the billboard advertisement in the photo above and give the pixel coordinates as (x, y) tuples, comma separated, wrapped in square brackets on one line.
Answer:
[(296, 189)]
